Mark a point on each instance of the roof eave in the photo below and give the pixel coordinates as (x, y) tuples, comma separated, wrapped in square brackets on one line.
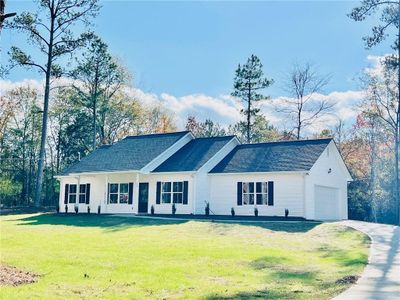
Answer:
[(262, 172)]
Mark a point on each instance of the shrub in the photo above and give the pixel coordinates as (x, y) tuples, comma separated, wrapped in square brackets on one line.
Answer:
[(66, 208), (173, 208), (99, 209), (207, 209), (152, 209), (58, 209), (88, 209), (286, 212), (256, 211), (232, 212), (76, 209)]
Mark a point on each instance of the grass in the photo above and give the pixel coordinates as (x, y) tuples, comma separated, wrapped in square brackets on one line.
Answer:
[(138, 258)]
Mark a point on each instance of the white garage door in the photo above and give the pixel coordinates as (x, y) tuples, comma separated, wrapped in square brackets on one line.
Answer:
[(326, 203)]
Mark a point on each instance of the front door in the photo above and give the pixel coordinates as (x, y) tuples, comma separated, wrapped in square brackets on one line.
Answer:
[(143, 197)]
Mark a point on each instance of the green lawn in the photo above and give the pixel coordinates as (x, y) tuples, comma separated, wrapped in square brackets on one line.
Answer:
[(138, 258)]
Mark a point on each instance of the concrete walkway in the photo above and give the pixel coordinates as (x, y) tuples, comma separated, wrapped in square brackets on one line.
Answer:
[(381, 277)]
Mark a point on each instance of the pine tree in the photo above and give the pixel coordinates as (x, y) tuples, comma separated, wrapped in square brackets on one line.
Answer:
[(249, 81)]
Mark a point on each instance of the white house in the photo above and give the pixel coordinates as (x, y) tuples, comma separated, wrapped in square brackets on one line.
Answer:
[(308, 178)]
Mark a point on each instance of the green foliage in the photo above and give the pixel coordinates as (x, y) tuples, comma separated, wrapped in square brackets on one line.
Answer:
[(9, 192), (389, 17), (261, 130)]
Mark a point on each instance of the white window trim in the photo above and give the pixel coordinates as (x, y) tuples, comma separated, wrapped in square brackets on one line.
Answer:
[(118, 193), (254, 193), (177, 193), (171, 193), (79, 194), (73, 194)]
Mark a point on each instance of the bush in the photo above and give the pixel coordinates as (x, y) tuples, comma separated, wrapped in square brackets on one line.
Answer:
[(66, 208), (286, 212), (173, 209), (256, 211), (152, 209), (232, 212), (99, 209), (207, 209), (10, 192), (88, 209), (76, 209)]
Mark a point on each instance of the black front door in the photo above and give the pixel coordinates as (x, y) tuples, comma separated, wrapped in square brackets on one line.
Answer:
[(143, 197)]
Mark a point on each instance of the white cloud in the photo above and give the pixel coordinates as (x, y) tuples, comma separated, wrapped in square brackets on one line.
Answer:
[(224, 108)]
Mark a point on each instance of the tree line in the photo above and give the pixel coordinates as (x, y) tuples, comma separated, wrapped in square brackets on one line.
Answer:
[(86, 103)]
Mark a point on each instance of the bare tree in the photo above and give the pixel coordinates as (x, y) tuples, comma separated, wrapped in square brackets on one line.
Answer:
[(50, 29), (303, 107)]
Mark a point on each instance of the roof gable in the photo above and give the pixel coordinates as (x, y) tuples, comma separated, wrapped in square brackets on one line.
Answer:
[(194, 154), (285, 156), (131, 153)]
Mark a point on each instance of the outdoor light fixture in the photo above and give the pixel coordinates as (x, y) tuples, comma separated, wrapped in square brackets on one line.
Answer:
[(329, 171)]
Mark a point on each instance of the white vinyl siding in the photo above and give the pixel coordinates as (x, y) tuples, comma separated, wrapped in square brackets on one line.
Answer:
[(288, 193)]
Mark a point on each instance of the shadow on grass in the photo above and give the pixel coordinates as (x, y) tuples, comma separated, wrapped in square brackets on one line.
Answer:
[(290, 226), (343, 257), (276, 273), (112, 223)]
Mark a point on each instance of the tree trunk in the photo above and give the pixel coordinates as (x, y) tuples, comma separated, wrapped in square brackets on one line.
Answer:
[(248, 114), (38, 190)]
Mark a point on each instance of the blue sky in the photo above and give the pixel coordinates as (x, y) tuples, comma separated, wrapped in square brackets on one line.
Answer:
[(189, 48)]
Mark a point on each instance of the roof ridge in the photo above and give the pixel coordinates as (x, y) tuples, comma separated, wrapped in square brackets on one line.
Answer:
[(214, 137), (155, 134), (287, 141)]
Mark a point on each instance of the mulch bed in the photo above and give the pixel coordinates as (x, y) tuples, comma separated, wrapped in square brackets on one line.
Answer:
[(14, 276)]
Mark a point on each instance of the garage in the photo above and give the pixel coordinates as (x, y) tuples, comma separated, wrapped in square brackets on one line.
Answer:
[(326, 203)]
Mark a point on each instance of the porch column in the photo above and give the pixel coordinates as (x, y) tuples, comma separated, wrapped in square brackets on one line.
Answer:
[(104, 204), (136, 195), (78, 192)]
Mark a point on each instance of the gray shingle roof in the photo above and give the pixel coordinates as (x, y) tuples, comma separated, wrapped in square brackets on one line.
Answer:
[(272, 157), (131, 153), (194, 154)]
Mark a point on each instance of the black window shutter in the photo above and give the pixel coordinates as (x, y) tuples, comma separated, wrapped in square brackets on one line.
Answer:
[(270, 193), (66, 194), (185, 192), (108, 193), (130, 196), (158, 193), (87, 193), (239, 193)]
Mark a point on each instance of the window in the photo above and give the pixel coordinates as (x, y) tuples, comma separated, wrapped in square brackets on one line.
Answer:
[(118, 193), (166, 192), (82, 193), (72, 193), (261, 193), (123, 193), (174, 192), (178, 192), (258, 196), (248, 193)]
